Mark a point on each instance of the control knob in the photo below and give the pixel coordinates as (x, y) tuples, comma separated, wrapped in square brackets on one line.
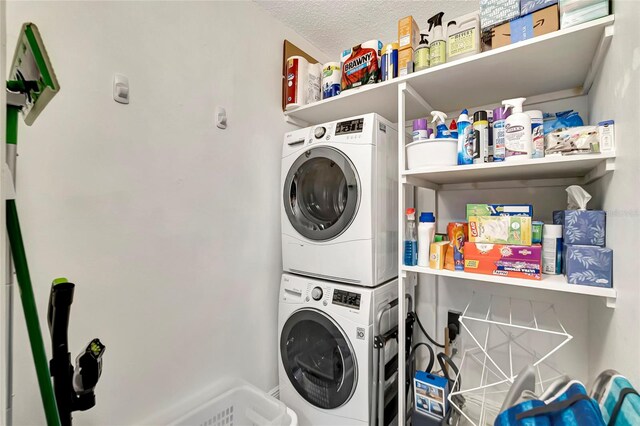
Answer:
[(316, 293), (319, 132)]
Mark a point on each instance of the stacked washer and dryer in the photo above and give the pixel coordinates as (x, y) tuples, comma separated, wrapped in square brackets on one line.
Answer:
[(340, 261)]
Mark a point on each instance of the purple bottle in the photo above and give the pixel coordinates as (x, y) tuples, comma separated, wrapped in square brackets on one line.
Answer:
[(500, 114), (420, 129)]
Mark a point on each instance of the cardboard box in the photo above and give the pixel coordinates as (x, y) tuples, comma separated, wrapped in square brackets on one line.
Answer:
[(535, 24), (530, 6), (496, 12), (582, 227), (408, 33), (500, 230), (499, 210), (431, 392), (589, 265), (405, 61), (437, 253), (504, 260)]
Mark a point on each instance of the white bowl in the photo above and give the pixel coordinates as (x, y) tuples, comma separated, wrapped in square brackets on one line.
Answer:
[(432, 152)]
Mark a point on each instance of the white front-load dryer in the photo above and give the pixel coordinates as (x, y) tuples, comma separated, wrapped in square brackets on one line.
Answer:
[(325, 362), (340, 201)]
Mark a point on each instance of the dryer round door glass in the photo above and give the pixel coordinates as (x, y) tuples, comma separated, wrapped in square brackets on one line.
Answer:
[(318, 359), (321, 193)]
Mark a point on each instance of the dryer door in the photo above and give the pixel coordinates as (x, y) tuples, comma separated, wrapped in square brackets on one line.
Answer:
[(318, 359), (321, 193)]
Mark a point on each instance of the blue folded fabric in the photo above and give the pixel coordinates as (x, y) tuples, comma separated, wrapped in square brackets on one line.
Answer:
[(629, 414)]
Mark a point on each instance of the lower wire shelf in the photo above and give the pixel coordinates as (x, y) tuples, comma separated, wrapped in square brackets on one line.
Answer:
[(548, 282)]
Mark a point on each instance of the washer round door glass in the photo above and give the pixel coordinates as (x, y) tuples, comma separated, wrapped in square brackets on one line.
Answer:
[(318, 359), (321, 193)]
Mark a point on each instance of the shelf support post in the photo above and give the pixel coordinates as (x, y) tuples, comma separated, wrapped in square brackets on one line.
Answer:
[(402, 276), (598, 58)]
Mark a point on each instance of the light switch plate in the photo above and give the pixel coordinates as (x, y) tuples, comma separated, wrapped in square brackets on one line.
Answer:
[(121, 88)]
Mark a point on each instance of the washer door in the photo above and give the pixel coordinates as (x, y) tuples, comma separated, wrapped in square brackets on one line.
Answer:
[(318, 359), (321, 193)]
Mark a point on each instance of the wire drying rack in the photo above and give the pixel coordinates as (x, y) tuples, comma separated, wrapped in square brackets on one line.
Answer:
[(507, 334)]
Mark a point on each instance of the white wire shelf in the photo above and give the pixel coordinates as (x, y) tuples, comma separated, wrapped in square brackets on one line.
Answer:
[(547, 171), (548, 282), (576, 53)]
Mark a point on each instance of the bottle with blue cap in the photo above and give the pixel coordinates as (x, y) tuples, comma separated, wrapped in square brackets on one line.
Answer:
[(426, 234), (465, 130)]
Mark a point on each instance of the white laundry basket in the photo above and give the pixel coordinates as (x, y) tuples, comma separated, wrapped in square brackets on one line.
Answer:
[(242, 405)]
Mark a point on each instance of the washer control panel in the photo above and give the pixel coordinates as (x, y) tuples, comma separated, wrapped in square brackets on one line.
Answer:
[(316, 293), (349, 299)]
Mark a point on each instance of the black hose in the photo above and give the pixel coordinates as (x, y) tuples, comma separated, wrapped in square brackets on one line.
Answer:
[(415, 316)]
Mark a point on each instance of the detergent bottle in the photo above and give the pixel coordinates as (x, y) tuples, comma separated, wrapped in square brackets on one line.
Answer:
[(441, 129), (410, 239), (421, 55), (465, 147), (453, 129), (438, 47)]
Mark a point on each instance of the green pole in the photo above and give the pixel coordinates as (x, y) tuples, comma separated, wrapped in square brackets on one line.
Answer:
[(26, 291)]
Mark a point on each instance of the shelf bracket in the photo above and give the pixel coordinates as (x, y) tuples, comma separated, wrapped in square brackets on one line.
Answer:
[(600, 170), (420, 183), (407, 88), (598, 58), (295, 121), (611, 302)]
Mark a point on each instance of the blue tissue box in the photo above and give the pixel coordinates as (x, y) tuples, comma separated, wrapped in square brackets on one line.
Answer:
[(496, 12), (530, 6), (582, 227), (589, 265)]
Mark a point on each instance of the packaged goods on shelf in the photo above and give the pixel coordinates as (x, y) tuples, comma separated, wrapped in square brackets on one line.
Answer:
[(530, 6), (561, 120), (589, 265), (606, 134), (405, 61), (515, 261), (573, 140), (408, 33), (437, 254), (389, 62), (496, 12), (499, 210), (581, 226), (438, 46), (500, 229), (535, 24), (331, 76), (362, 66), (458, 233), (463, 36), (575, 12)]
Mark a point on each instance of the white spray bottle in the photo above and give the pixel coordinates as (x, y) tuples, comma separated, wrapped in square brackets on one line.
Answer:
[(442, 131), (517, 136)]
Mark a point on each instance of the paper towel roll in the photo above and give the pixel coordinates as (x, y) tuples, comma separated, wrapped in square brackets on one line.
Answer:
[(314, 92), (297, 82), (331, 74)]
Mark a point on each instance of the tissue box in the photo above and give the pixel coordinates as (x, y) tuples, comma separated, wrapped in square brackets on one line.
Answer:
[(575, 12), (535, 24), (500, 230), (503, 260), (530, 6), (499, 210), (431, 394), (495, 12), (589, 265), (582, 227)]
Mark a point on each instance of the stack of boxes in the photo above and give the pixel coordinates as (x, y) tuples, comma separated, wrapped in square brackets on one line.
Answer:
[(501, 241), (585, 258), (408, 40)]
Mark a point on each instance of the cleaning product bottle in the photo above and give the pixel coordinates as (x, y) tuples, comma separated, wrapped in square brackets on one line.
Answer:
[(552, 249), (500, 115), (426, 233), (420, 131), (441, 129), (517, 137), (410, 239), (465, 155), (453, 129), (537, 137), (421, 55), (438, 47), (480, 137)]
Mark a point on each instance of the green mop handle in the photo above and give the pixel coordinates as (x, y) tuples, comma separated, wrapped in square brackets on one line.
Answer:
[(26, 293)]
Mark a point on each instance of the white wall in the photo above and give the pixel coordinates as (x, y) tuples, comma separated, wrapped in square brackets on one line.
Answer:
[(168, 225), (615, 335)]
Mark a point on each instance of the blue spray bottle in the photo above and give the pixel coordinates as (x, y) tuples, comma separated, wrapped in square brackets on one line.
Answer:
[(442, 131), (465, 135), (410, 239)]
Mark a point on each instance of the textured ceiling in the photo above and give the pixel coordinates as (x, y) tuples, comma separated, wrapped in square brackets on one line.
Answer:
[(333, 26)]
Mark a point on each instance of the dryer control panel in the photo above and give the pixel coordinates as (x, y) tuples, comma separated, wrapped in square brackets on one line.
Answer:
[(346, 298)]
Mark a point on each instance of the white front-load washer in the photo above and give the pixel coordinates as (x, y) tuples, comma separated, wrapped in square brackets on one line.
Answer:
[(325, 362), (340, 201)]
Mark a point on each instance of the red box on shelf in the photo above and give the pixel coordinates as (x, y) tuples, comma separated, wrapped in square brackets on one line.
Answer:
[(503, 260)]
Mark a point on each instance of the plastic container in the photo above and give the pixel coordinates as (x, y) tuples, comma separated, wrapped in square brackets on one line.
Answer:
[(480, 137), (432, 152), (426, 233), (552, 249), (463, 36), (420, 129), (537, 136), (410, 239), (499, 120), (517, 138), (241, 405)]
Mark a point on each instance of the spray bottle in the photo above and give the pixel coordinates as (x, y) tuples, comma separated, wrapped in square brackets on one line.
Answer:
[(410, 239), (421, 55), (441, 129), (517, 137), (465, 150), (438, 47)]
